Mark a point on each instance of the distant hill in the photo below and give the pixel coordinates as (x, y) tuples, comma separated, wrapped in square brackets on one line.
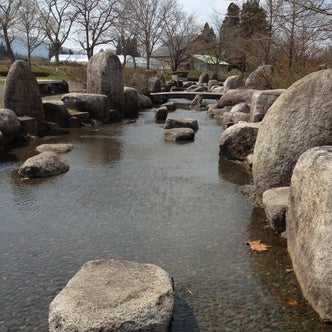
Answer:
[(42, 51)]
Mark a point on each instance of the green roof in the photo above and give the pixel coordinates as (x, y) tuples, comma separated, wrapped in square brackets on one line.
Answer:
[(209, 59)]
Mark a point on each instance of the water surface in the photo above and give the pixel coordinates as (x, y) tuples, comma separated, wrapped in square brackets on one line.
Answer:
[(131, 195)]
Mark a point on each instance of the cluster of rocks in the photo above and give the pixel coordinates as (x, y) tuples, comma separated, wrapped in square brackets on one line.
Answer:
[(47, 162), (106, 100), (175, 129), (287, 140)]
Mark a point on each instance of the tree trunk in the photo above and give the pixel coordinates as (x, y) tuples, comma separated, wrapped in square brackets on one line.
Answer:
[(10, 52)]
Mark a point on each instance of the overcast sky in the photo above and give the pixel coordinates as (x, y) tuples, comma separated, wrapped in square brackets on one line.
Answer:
[(204, 8)]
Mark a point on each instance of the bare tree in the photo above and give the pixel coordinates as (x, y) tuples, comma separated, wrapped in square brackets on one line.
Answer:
[(58, 17), (8, 20), (31, 33), (146, 18), (95, 22), (178, 32), (301, 32)]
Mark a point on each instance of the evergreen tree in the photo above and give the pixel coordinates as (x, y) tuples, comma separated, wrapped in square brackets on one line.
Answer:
[(208, 34), (232, 17), (252, 19)]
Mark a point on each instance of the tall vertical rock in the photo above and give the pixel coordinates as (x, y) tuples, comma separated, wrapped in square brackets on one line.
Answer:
[(104, 76), (309, 227), (22, 94), (300, 119)]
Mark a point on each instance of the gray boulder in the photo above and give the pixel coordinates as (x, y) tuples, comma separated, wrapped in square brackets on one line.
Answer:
[(131, 102), (309, 227), (144, 102), (22, 94), (214, 112), (161, 114), (238, 141), (204, 78), (179, 134), (298, 120), (233, 82), (43, 165), (231, 118), (10, 127), (260, 79), (212, 83), (95, 104), (236, 96), (241, 107), (56, 148), (171, 106), (261, 102), (181, 123), (275, 202), (112, 295), (105, 77), (56, 112), (154, 84)]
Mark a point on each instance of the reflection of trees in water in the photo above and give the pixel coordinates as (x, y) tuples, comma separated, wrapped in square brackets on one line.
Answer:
[(235, 172), (276, 283)]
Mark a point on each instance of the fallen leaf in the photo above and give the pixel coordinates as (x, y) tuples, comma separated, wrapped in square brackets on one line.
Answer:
[(257, 245), (290, 300)]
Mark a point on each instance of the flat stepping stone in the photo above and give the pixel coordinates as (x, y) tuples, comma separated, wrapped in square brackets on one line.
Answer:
[(113, 295)]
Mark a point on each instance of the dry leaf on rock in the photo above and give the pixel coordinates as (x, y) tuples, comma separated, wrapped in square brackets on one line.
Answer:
[(290, 300), (257, 245)]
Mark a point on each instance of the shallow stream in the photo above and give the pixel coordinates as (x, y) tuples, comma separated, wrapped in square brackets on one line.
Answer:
[(131, 195)]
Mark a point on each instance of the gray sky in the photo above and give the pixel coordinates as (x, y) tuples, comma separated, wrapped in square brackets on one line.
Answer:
[(204, 8)]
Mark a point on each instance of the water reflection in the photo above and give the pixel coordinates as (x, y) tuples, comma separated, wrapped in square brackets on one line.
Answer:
[(271, 268), (235, 172)]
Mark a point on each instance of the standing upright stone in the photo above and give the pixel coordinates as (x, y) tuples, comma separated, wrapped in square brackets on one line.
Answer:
[(22, 94), (104, 76)]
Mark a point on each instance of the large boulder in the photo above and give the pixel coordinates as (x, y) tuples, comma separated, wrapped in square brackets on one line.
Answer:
[(204, 78), (261, 102), (112, 295), (131, 102), (154, 85), (179, 134), (181, 123), (260, 79), (144, 101), (231, 118), (275, 202), (56, 112), (298, 120), (161, 114), (95, 104), (105, 77), (238, 141), (43, 165), (309, 227), (9, 126), (236, 96), (22, 94), (233, 82)]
